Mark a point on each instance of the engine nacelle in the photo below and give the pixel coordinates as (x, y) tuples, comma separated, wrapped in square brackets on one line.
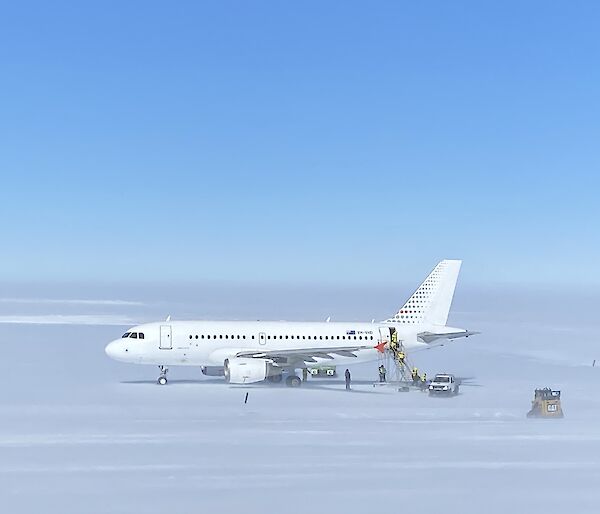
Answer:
[(213, 371), (244, 370)]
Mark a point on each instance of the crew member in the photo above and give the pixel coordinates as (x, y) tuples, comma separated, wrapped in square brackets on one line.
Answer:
[(423, 384), (394, 341), (382, 373), (401, 357), (414, 374), (304, 374), (348, 379)]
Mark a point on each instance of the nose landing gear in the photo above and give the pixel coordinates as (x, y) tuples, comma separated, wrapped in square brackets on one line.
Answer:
[(162, 378)]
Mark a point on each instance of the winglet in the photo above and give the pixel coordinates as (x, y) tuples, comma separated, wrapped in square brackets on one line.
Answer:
[(380, 347), (168, 318)]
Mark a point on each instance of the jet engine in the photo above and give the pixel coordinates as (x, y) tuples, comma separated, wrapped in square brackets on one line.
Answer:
[(243, 370), (212, 371)]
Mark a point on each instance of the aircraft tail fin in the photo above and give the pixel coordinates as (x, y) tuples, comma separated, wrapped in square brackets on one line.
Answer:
[(431, 302)]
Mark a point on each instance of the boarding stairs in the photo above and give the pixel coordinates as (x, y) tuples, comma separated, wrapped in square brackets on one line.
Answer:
[(395, 361)]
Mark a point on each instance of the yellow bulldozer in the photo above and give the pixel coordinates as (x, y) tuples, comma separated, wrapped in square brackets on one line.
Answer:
[(546, 404)]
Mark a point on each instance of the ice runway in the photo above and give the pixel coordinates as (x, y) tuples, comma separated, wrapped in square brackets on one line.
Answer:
[(81, 433)]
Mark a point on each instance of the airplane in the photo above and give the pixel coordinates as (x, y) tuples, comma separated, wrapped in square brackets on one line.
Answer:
[(245, 352)]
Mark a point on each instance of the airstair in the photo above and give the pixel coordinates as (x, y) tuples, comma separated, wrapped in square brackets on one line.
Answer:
[(395, 361)]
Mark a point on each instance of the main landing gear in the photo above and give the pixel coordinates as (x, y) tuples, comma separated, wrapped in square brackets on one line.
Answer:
[(162, 378), (293, 381)]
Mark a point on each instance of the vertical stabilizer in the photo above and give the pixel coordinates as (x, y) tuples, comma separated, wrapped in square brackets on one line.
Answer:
[(430, 303)]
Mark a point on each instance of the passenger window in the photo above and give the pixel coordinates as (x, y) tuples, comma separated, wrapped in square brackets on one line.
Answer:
[(133, 335), (141, 335)]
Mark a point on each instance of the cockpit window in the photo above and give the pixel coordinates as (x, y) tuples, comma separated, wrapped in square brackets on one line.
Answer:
[(141, 335), (126, 334), (134, 335)]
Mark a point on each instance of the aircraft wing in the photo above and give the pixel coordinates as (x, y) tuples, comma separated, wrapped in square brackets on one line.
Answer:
[(309, 355)]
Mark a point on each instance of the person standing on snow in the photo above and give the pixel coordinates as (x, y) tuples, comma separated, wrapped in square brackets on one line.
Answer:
[(348, 379), (414, 375)]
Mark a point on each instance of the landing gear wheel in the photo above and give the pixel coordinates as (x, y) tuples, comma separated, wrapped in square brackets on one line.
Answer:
[(275, 379), (162, 378), (293, 381)]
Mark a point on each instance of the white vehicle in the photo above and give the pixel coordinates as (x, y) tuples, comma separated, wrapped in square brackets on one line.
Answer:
[(252, 351), (443, 384)]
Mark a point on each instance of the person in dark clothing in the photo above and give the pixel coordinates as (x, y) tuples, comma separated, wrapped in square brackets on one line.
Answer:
[(348, 379), (382, 372)]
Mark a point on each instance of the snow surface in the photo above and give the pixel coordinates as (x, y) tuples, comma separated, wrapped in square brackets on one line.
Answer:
[(81, 433)]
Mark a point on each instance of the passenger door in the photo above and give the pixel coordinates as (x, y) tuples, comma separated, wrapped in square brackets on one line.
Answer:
[(262, 338), (166, 342), (384, 334)]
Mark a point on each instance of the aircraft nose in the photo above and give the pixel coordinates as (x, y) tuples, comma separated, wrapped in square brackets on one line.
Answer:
[(112, 350)]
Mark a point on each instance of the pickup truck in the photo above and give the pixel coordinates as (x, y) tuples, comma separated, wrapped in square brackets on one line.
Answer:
[(443, 385)]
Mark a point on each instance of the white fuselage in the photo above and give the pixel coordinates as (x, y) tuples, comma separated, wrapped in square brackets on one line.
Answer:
[(252, 351), (209, 343)]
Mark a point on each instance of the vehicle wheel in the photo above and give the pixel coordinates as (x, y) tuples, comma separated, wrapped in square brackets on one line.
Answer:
[(162, 381), (275, 379), (293, 381)]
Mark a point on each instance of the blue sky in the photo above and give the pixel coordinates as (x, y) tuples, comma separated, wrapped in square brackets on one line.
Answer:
[(344, 142)]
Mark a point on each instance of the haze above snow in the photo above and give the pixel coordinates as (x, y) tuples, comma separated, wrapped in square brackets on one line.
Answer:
[(81, 433)]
